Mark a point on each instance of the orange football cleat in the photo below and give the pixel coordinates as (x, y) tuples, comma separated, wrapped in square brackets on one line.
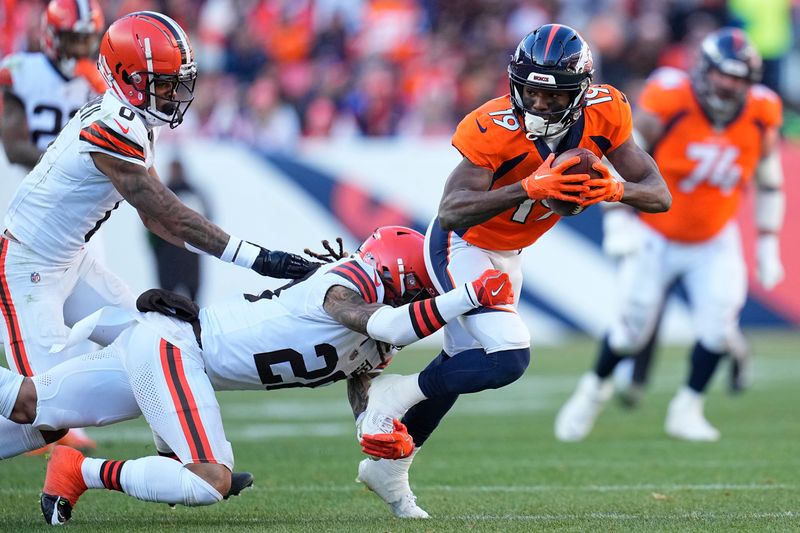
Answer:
[(63, 485)]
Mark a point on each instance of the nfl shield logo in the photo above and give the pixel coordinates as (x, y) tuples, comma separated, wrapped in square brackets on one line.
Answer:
[(35, 277)]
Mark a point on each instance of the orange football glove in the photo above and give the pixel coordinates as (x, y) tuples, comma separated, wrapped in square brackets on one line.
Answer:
[(605, 189), (493, 288), (549, 182), (395, 445)]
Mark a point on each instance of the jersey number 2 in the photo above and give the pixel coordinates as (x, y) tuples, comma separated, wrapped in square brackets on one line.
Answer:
[(326, 352), (57, 125)]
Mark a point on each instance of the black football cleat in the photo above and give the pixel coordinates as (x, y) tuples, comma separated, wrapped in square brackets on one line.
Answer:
[(56, 509), (239, 482)]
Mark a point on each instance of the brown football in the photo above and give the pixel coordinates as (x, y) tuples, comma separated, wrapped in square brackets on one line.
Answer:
[(584, 166)]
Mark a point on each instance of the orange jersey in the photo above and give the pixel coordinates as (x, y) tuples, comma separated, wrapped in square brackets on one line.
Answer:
[(706, 169), (491, 137)]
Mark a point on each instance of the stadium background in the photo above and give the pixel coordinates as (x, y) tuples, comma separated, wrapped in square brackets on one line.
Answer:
[(316, 119), (321, 118)]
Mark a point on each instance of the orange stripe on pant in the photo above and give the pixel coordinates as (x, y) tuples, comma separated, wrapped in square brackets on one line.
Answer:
[(185, 406), (18, 352)]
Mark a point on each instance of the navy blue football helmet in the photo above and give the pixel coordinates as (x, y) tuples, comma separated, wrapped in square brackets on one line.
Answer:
[(553, 57), (729, 52)]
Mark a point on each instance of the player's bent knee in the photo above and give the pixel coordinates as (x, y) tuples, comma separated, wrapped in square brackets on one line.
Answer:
[(53, 436), (205, 483), (24, 411), (511, 365), (717, 342), (625, 342)]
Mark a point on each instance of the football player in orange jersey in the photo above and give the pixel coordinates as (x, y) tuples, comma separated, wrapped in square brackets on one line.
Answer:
[(494, 205), (710, 133)]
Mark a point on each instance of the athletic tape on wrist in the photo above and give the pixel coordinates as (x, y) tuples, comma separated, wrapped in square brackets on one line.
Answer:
[(240, 252)]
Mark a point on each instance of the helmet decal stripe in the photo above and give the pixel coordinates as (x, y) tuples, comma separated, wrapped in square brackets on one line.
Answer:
[(83, 11), (553, 31), (176, 31)]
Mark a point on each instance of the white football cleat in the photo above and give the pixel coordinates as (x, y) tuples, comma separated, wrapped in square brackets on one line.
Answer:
[(685, 419), (389, 480), (576, 418)]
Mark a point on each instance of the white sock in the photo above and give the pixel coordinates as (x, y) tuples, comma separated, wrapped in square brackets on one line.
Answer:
[(10, 384), (152, 479), (18, 438), (408, 393)]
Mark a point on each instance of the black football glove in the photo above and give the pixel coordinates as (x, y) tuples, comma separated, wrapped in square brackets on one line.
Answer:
[(277, 264)]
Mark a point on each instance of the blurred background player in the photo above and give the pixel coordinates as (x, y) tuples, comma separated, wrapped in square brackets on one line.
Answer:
[(494, 205), (178, 268), (43, 90), (105, 154), (711, 133)]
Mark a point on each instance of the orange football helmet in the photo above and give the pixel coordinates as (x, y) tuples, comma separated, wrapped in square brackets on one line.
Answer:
[(70, 29), (144, 53), (397, 253)]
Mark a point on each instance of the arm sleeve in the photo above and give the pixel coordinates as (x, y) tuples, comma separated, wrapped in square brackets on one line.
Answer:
[(403, 325)]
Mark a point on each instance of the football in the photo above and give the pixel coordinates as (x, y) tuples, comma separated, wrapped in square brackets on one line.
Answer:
[(584, 166)]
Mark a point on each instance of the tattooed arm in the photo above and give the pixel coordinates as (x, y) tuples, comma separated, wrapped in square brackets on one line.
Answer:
[(358, 392), (160, 210), (348, 308), (400, 326)]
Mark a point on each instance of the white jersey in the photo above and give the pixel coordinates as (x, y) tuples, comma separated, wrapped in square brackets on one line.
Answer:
[(63, 201), (289, 340), (50, 99)]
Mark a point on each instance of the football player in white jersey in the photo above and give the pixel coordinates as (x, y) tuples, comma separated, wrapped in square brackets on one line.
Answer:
[(324, 329), (43, 90), (104, 155)]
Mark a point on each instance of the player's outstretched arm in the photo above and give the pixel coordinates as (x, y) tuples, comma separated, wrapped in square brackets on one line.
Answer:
[(163, 213), (644, 189), (408, 323)]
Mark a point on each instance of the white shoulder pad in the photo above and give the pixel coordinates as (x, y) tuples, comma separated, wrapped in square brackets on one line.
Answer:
[(113, 128), (668, 77), (358, 276)]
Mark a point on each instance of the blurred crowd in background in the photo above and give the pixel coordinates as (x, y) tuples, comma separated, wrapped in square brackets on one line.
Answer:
[(275, 71)]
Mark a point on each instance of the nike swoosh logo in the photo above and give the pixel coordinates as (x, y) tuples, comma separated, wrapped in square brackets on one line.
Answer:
[(542, 176), (123, 128), (500, 288), (483, 130)]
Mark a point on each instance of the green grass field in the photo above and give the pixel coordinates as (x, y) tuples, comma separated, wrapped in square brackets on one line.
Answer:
[(494, 464)]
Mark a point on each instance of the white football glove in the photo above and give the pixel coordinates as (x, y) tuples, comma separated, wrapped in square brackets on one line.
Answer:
[(768, 255), (620, 232)]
